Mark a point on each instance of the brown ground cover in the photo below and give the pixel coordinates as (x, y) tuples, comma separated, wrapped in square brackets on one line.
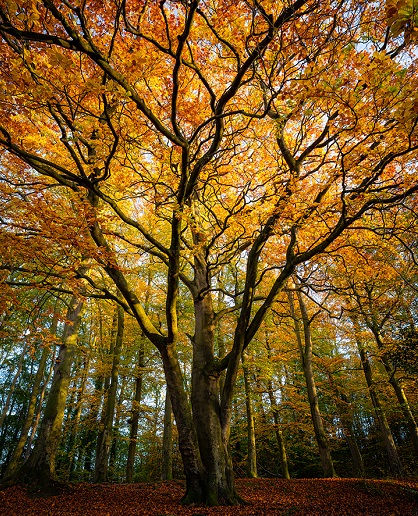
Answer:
[(265, 497)]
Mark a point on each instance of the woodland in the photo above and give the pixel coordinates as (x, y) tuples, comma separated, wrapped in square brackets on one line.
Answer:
[(208, 247)]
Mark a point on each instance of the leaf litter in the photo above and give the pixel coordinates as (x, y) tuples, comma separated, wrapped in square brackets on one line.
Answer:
[(264, 497)]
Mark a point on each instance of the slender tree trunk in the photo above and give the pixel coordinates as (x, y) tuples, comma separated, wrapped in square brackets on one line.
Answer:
[(345, 412), (91, 425), (279, 434), (394, 463), (277, 426), (38, 410), (167, 455), (135, 410), (306, 358), (405, 407), (17, 454), (100, 451), (399, 391), (40, 467), (13, 385), (252, 452), (113, 472), (105, 436), (12, 436), (64, 454), (76, 416)]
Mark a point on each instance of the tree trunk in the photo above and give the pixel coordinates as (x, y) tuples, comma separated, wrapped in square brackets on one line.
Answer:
[(38, 410), (212, 437), (399, 391), (252, 452), (11, 435), (17, 454), (203, 437), (394, 463), (75, 417), (167, 459), (204, 433), (105, 435), (279, 435), (277, 427), (405, 407), (135, 410), (91, 426), (306, 358), (40, 466), (113, 471), (13, 385), (345, 412), (188, 443)]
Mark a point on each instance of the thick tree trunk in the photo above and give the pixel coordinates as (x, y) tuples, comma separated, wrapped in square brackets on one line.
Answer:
[(105, 435), (203, 435), (188, 443), (306, 358), (135, 411), (40, 467), (167, 452), (252, 452), (203, 439), (212, 431)]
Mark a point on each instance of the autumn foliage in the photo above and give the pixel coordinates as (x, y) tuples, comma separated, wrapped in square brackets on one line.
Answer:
[(227, 179)]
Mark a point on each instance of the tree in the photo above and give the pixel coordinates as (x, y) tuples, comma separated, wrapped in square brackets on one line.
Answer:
[(394, 462), (105, 435), (133, 421), (40, 466), (252, 450), (199, 134), (305, 345), (167, 448), (378, 284)]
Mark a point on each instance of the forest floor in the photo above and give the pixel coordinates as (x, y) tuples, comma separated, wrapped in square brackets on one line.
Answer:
[(265, 497)]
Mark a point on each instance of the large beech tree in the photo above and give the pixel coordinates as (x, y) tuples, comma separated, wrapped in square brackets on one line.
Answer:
[(200, 133)]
